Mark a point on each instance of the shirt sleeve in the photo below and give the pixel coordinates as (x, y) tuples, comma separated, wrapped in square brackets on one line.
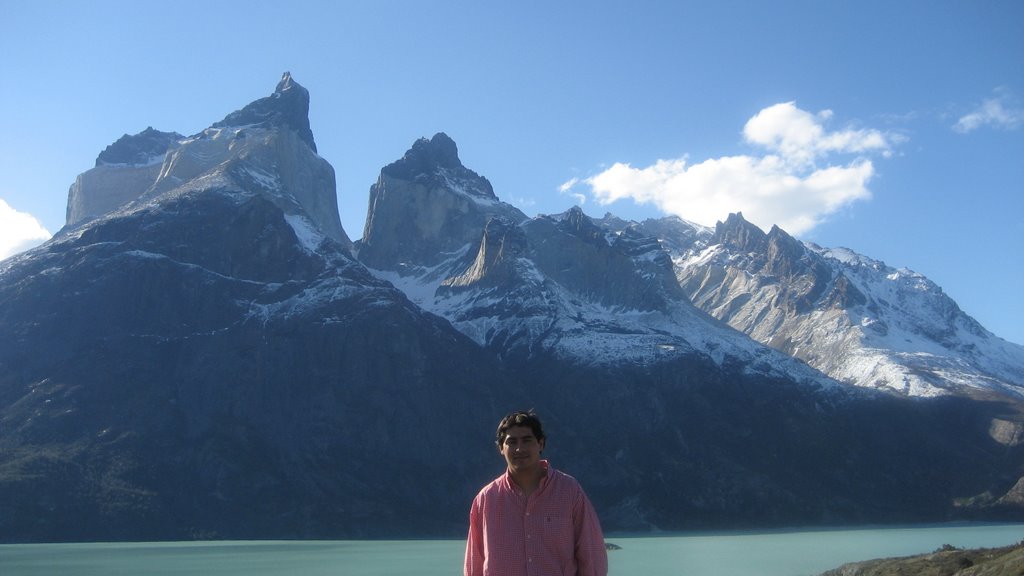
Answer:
[(591, 555), (474, 563)]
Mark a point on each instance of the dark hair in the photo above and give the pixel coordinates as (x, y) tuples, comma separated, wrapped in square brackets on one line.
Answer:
[(519, 418)]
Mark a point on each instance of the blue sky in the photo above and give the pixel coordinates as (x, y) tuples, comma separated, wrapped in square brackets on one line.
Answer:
[(892, 128)]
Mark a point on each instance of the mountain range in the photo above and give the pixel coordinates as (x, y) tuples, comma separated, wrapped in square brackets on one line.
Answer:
[(203, 352)]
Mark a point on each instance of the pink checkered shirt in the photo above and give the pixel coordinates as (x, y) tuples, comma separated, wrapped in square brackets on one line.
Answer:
[(554, 532)]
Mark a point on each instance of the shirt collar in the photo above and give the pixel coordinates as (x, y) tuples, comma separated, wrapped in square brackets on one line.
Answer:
[(545, 475)]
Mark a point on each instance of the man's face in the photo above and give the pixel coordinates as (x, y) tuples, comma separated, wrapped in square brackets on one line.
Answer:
[(521, 449)]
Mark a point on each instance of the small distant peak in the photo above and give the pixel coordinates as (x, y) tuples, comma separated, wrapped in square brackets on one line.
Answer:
[(286, 83), (140, 149), (579, 224), (575, 213), (738, 233), (735, 219), (777, 234)]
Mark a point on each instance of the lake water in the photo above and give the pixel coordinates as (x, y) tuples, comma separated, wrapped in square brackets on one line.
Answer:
[(783, 553)]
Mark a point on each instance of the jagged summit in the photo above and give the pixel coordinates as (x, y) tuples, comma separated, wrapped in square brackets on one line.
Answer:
[(426, 154), (553, 286), (287, 106), (266, 149), (580, 223), (737, 233), (854, 318), (426, 205), (437, 160), (146, 147)]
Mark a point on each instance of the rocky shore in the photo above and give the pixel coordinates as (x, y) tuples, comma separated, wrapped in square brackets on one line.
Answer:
[(946, 561)]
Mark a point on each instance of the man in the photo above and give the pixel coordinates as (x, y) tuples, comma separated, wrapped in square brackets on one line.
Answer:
[(532, 520)]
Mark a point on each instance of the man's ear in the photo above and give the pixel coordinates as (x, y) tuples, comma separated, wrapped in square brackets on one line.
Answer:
[(541, 445)]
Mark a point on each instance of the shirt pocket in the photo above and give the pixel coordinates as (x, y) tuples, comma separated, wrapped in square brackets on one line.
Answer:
[(557, 528)]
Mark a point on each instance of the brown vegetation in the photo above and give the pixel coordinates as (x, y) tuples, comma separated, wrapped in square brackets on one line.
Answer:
[(946, 561)]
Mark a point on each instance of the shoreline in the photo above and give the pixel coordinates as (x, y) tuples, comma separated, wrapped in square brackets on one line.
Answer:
[(946, 561)]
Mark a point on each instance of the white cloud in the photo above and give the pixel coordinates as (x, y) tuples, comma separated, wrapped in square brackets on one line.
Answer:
[(785, 186), (566, 189), (800, 137), (998, 112), (19, 231)]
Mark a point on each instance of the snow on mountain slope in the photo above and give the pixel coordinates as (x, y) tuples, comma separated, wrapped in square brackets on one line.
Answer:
[(910, 320), (553, 285), (538, 315), (853, 318)]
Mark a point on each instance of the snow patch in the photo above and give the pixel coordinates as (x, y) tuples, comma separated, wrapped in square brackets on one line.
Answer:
[(268, 180), (467, 189), (308, 234)]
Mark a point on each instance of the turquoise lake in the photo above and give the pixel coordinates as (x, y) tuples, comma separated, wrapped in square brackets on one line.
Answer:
[(779, 553)]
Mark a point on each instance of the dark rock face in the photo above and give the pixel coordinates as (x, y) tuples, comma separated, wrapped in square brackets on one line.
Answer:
[(575, 252), (494, 267), (287, 106), (801, 280), (138, 149), (739, 234), (177, 381), (845, 295), (427, 156), (688, 444), (779, 258)]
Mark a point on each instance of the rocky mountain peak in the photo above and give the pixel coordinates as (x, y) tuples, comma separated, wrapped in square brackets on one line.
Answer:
[(265, 148), (577, 220), (786, 255), (435, 161), (581, 225), (427, 204), (854, 318), (739, 234), (505, 233), (144, 148), (287, 106), (287, 83), (440, 150), (573, 251)]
